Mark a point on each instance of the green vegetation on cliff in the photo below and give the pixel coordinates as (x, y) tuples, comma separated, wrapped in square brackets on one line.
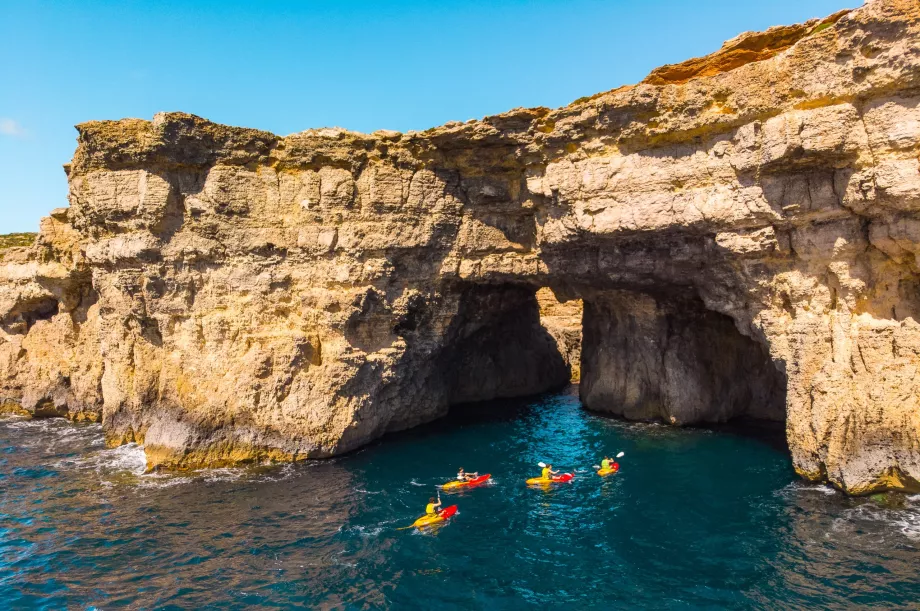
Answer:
[(12, 240)]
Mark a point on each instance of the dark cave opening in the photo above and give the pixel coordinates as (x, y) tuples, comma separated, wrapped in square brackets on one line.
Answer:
[(498, 348), (670, 359)]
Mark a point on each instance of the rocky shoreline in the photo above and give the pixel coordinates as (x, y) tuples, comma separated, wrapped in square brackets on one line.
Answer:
[(742, 230)]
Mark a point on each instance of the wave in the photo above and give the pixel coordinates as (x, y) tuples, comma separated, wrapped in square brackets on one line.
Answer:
[(158, 480), (829, 491), (128, 458), (795, 488), (903, 520), (365, 531), (51, 434)]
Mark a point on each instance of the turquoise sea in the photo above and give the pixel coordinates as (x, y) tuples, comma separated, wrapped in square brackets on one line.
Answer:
[(696, 519)]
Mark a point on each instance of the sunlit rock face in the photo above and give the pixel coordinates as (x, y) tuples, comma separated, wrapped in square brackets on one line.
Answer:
[(745, 224), (563, 321)]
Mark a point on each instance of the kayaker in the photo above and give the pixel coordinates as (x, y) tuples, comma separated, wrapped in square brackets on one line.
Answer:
[(605, 464), (463, 476), (548, 472), (432, 507)]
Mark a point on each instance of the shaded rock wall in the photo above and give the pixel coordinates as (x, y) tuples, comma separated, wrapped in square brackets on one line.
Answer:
[(674, 361), (499, 348), (225, 294)]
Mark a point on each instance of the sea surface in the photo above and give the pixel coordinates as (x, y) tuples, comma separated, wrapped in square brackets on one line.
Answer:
[(695, 519)]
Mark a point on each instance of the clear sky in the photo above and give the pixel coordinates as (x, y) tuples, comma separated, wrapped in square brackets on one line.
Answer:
[(288, 66)]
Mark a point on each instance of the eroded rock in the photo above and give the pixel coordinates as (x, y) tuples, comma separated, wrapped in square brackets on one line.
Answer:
[(751, 218)]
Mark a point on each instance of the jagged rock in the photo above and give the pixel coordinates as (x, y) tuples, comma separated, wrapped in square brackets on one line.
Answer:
[(742, 224)]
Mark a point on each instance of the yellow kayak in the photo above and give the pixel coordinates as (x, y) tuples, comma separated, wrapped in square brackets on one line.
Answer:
[(556, 479), (467, 484), (609, 470), (444, 514)]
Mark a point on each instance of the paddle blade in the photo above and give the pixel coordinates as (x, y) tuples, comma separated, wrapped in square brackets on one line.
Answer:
[(621, 454), (542, 465)]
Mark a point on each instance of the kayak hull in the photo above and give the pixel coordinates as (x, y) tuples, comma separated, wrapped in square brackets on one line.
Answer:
[(442, 516), (467, 484), (610, 471), (556, 479)]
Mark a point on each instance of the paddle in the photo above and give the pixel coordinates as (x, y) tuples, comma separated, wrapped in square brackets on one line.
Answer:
[(620, 455)]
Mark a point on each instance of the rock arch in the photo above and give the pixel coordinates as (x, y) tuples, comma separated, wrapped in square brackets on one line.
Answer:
[(263, 297)]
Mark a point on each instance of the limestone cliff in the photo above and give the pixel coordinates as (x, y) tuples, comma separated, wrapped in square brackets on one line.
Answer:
[(743, 231)]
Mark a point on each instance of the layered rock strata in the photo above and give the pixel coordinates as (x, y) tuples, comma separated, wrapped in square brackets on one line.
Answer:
[(743, 230)]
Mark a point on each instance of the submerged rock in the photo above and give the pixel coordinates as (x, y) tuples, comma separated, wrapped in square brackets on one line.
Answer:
[(742, 229)]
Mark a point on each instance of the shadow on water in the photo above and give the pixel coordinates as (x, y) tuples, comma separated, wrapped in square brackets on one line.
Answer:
[(772, 434)]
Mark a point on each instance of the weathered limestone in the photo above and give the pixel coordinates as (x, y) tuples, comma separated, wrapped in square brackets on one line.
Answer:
[(751, 218)]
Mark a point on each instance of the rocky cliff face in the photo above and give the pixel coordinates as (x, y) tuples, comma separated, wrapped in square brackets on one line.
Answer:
[(743, 230)]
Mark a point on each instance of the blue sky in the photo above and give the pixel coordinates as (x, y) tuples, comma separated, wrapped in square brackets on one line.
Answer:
[(288, 66)]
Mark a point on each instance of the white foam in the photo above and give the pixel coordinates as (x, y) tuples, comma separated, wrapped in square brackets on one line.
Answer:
[(157, 480), (797, 487), (906, 520), (285, 471), (366, 531), (819, 488), (910, 526), (129, 457), (221, 475)]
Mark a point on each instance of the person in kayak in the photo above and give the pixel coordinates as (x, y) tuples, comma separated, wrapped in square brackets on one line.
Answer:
[(606, 463), (548, 472), (463, 476), (433, 506)]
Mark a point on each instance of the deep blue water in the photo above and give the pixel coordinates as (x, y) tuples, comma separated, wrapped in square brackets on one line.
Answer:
[(694, 520)]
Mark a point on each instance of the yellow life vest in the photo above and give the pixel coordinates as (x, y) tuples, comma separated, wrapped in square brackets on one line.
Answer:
[(429, 509), (546, 473)]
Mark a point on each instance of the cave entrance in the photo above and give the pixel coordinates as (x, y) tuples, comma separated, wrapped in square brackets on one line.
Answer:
[(640, 356), (511, 341), (669, 358)]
